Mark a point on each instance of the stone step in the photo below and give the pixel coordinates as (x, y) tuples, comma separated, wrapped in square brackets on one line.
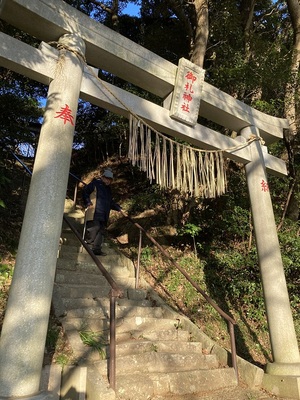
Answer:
[(61, 382), (123, 305), (145, 324), (74, 277), (166, 334), (74, 212), (111, 262), (159, 346), (98, 388), (77, 221), (73, 383), (75, 291), (71, 265), (87, 354), (51, 380), (81, 353), (153, 362), (72, 248), (65, 264), (183, 383), (91, 290), (125, 330), (69, 238), (121, 312)]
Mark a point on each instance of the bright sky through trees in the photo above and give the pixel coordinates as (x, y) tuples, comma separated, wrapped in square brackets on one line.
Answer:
[(131, 9)]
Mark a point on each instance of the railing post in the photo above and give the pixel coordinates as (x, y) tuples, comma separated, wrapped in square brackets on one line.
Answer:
[(233, 349), (84, 229), (137, 277), (75, 193), (112, 345)]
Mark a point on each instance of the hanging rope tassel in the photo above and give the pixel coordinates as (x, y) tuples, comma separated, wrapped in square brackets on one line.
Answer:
[(184, 168)]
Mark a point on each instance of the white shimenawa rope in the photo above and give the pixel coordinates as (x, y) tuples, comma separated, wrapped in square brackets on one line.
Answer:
[(170, 164), (174, 165)]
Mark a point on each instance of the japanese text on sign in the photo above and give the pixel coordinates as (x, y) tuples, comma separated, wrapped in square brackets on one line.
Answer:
[(187, 96), (187, 92)]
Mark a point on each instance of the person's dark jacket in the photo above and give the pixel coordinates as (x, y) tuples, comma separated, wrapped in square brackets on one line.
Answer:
[(104, 201)]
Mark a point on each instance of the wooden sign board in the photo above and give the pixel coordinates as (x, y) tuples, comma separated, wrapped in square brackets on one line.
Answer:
[(187, 92)]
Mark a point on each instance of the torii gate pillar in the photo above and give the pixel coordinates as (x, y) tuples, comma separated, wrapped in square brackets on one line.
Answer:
[(27, 314), (286, 360)]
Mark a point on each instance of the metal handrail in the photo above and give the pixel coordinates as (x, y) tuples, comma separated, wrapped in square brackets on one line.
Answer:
[(114, 293), (230, 320)]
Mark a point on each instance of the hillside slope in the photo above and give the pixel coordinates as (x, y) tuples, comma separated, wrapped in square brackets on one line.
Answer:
[(223, 266)]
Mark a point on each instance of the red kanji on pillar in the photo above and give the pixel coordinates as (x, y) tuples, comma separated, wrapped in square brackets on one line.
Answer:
[(264, 186), (65, 113)]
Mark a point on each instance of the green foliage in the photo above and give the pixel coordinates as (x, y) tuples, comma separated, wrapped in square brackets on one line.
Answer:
[(4, 180), (149, 197), (290, 248), (6, 272), (62, 360), (265, 106), (52, 337), (18, 115), (189, 229), (146, 256), (223, 227), (240, 283), (95, 340)]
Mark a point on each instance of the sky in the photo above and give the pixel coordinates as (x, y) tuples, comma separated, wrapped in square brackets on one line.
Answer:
[(131, 9)]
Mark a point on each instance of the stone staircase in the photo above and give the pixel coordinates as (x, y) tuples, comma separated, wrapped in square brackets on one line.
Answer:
[(157, 354)]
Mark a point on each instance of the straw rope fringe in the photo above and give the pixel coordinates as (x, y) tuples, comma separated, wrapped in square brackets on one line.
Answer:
[(176, 166)]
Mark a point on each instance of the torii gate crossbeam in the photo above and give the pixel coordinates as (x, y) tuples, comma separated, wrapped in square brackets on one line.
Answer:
[(39, 64), (107, 50)]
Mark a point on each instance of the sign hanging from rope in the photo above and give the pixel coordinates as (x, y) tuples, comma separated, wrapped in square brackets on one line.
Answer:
[(187, 92)]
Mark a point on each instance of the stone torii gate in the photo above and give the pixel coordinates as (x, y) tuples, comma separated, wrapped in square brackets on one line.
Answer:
[(64, 70)]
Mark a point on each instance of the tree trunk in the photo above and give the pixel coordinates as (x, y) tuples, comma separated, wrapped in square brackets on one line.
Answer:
[(247, 10), (292, 109), (201, 32)]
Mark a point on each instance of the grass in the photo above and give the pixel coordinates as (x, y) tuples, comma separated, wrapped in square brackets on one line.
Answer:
[(251, 338), (6, 273), (95, 340), (57, 348)]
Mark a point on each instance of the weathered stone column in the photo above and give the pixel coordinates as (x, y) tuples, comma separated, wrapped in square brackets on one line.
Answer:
[(24, 330), (281, 327)]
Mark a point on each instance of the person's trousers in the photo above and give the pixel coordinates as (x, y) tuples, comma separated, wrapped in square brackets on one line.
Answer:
[(96, 234)]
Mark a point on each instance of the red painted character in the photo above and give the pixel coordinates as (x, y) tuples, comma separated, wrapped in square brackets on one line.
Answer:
[(66, 114), (264, 186)]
